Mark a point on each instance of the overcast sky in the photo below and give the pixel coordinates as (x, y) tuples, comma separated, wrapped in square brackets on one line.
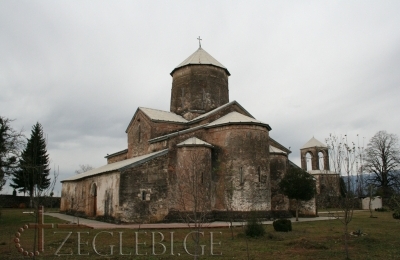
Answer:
[(307, 68)]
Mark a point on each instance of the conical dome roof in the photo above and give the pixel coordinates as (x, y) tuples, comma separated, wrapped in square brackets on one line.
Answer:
[(313, 143), (201, 57)]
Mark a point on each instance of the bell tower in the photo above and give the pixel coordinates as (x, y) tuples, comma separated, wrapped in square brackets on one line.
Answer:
[(316, 154), (199, 85)]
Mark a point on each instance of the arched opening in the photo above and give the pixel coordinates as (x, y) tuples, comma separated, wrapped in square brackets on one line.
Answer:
[(259, 173), (241, 175), (93, 193), (143, 195), (309, 161), (321, 159)]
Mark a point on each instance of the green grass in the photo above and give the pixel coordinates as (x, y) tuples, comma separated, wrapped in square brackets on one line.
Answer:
[(308, 240)]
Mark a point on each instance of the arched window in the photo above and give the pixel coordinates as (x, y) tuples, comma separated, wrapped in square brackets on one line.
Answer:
[(309, 161), (143, 195), (259, 173), (321, 159)]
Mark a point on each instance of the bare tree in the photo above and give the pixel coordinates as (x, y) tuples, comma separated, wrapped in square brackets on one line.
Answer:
[(228, 196), (83, 168), (382, 158), (193, 196), (343, 158)]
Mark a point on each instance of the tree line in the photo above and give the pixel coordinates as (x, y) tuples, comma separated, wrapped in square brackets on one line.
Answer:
[(25, 161)]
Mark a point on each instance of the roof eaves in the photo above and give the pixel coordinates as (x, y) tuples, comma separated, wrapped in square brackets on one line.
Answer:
[(117, 153), (165, 137), (164, 152), (280, 146), (241, 123), (88, 176), (136, 163), (192, 64), (234, 102), (195, 145), (168, 121)]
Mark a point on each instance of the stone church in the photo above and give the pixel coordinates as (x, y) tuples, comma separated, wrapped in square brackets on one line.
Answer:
[(206, 153)]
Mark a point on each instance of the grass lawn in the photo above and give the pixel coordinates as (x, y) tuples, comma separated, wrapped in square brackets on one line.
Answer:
[(308, 240)]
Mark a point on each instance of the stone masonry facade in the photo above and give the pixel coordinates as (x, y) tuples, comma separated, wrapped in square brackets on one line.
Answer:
[(205, 154)]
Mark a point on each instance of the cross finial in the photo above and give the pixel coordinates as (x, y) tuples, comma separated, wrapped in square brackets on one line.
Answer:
[(199, 41)]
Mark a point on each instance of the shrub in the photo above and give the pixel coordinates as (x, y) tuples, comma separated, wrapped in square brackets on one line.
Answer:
[(254, 228), (396, 214), (282, 225), (381, 209)]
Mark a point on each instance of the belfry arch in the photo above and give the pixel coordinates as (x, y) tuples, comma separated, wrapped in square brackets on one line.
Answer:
[(319, 155)]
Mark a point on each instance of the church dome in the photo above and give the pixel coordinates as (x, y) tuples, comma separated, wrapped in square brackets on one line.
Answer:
[(199, 85), (200, 56)]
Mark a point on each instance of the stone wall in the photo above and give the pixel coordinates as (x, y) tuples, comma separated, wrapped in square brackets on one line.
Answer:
[(143, 192), (198, 88), (278, 168), (118, 157), (193, 185), (241, 162), (93, 196)]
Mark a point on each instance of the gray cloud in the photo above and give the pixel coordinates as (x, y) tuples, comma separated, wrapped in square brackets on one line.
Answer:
[(82, 68)]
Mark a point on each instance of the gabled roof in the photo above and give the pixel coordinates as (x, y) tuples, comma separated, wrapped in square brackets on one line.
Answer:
[(159, 116), (200, 56), (275, 143), (194, 141), (236, 118), (234, 102), (292, 164), (275, 150), (313, 143), (128, 163)]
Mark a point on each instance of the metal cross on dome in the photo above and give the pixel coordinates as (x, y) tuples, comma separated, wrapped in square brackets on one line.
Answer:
[(199, 41)]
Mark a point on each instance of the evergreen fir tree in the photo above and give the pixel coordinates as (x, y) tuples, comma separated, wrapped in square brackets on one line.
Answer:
[(33, 173)]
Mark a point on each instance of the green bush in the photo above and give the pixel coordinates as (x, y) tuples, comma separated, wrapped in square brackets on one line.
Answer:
[(254, 228), (381, 209), (282, 225), (396, 214)]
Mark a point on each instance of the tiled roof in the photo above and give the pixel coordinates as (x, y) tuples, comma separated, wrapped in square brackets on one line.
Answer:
[(234, 102), (313, 143), (236, 118), (275, 150), (118, 165), (200, 56), (194, 141), (161, 115)]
